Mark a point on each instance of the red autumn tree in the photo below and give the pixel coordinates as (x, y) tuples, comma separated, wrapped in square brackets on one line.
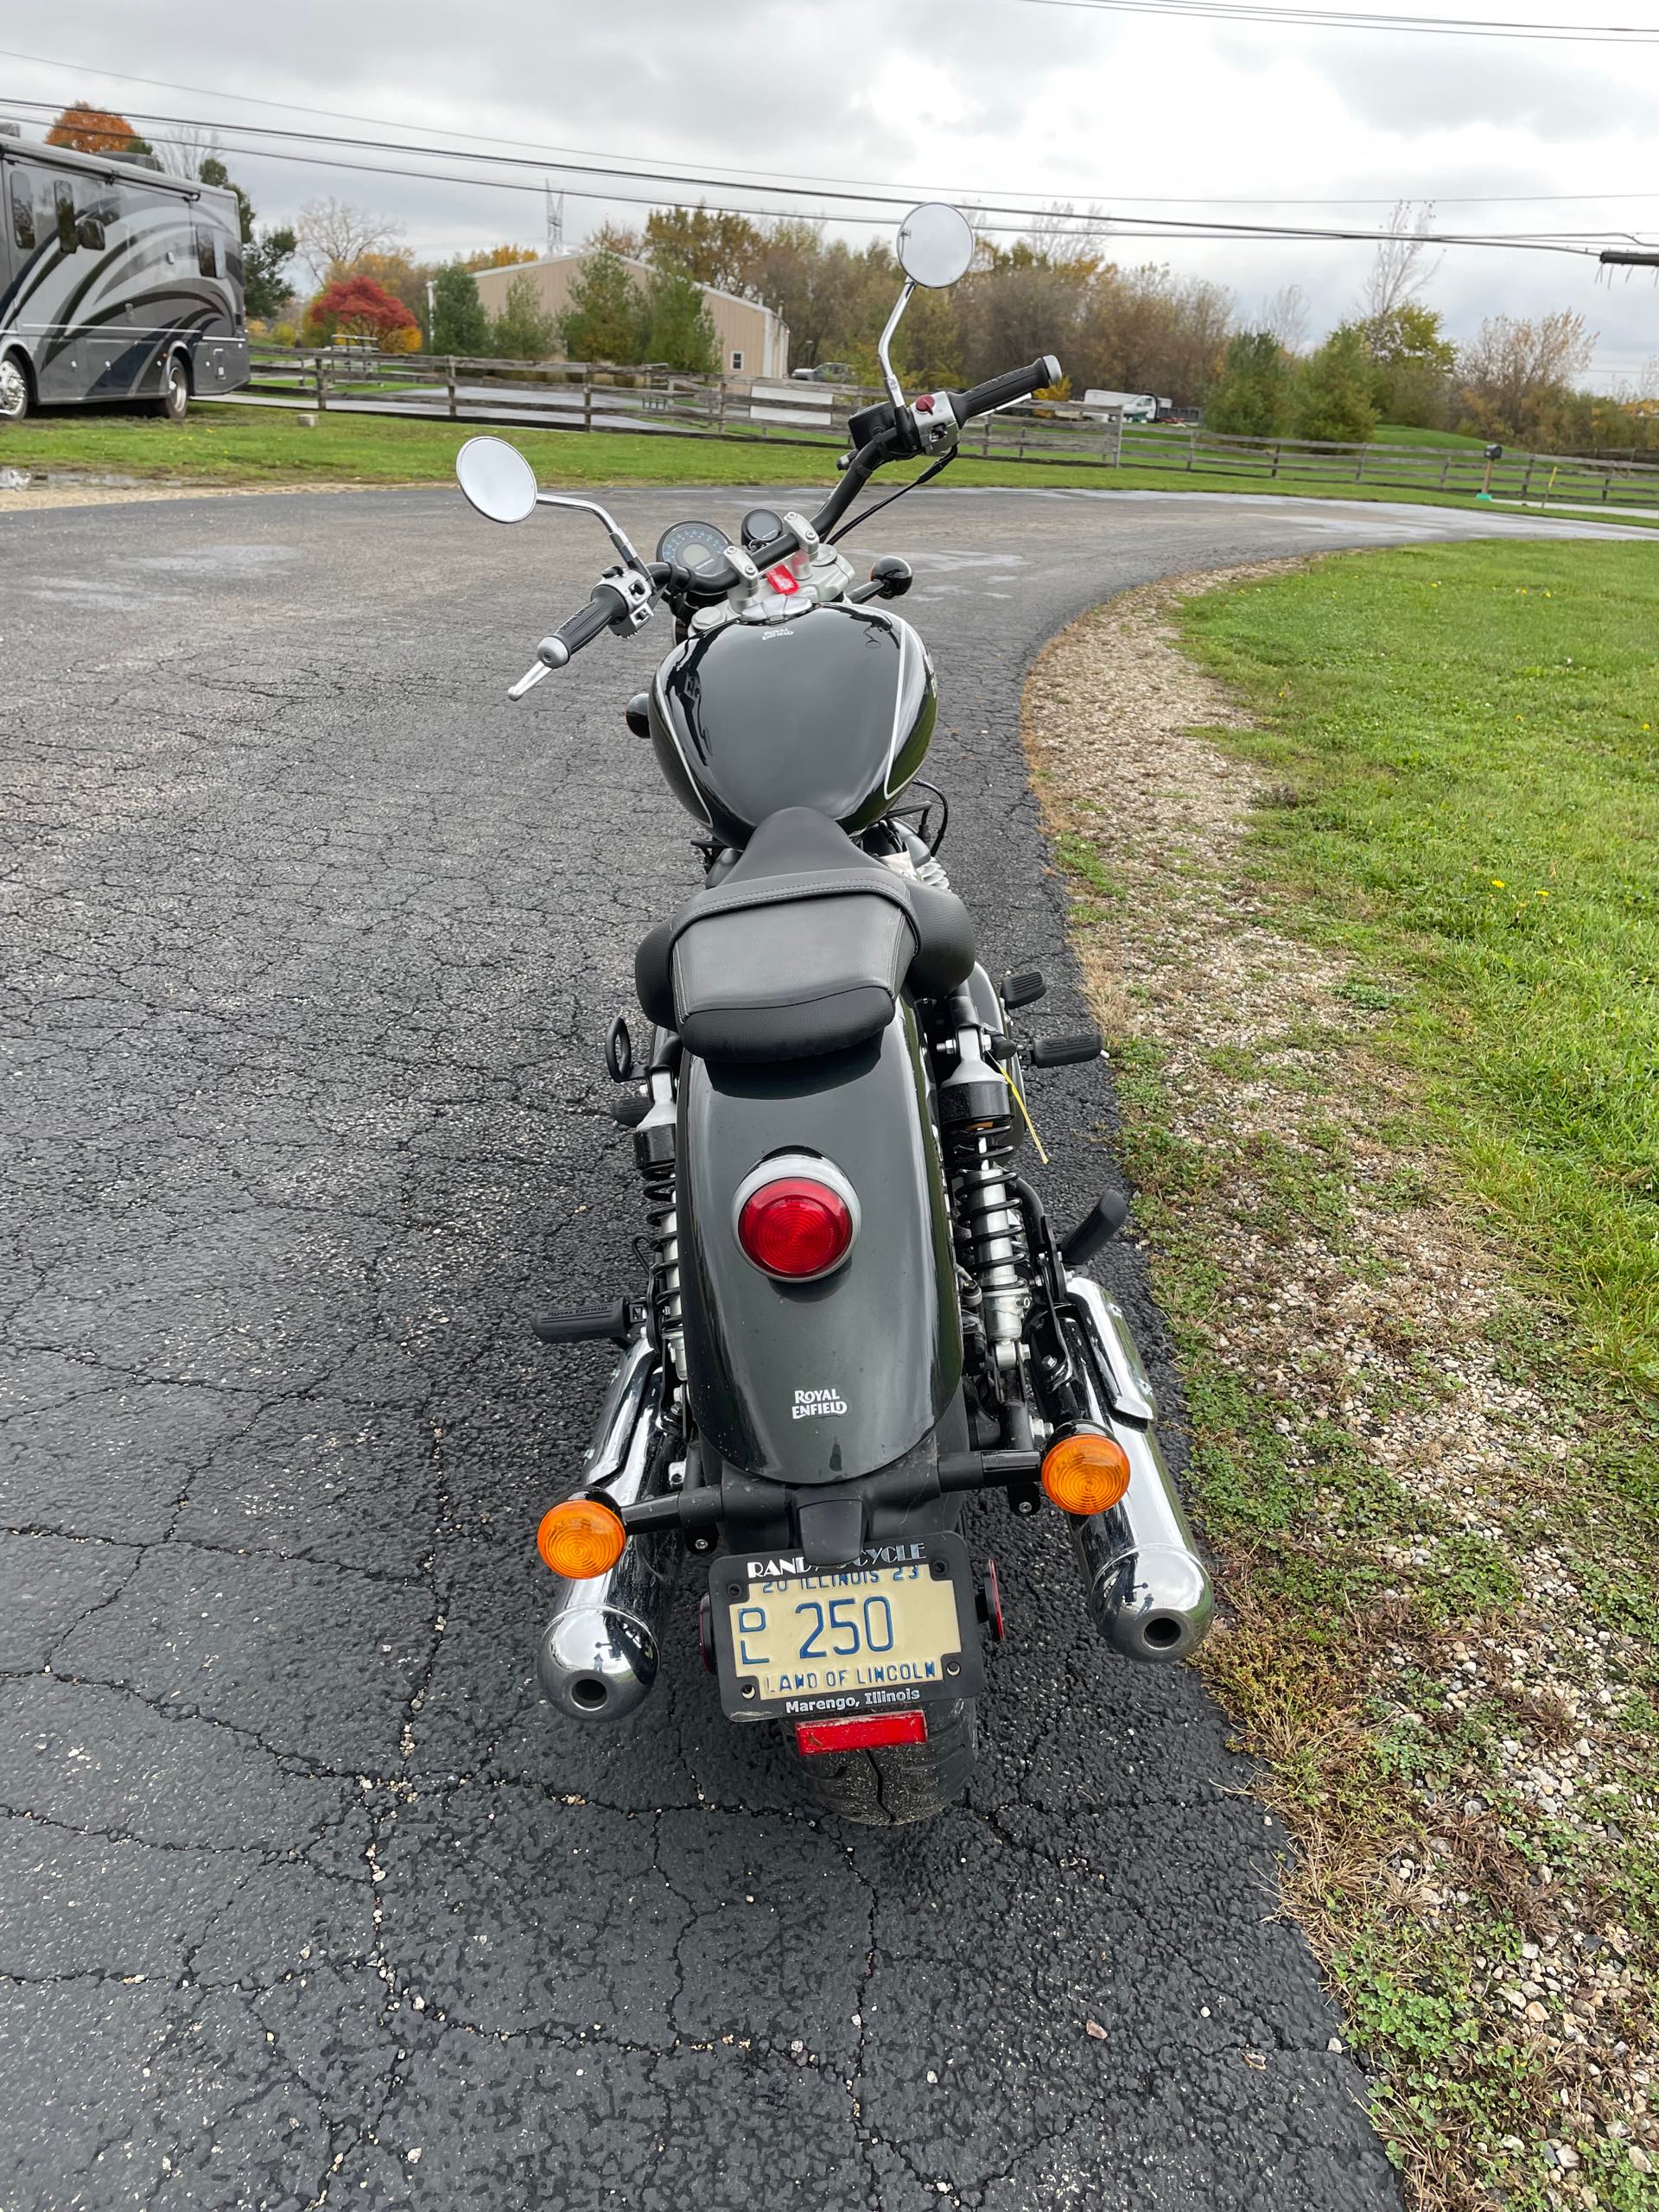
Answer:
[(356, 306), (92, 131)]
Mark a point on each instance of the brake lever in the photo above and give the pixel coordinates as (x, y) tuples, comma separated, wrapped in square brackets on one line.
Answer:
[(528, 682)]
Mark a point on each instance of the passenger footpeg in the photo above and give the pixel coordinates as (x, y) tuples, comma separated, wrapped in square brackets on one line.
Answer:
[(587, 1324)]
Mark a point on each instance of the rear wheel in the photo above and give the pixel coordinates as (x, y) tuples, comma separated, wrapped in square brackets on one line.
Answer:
[(175, 399), (14, 389), (900, 1783)]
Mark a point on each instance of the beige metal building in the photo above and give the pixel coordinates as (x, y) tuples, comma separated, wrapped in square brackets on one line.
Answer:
[(753, 341)]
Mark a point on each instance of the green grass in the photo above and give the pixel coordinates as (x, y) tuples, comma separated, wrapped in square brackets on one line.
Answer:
[(1407, 434), (1473, 732), (228, 445), (1445, 736)]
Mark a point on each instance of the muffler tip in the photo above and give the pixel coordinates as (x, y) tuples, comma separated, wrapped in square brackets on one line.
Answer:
[(1154, 1604), (597, 1664)]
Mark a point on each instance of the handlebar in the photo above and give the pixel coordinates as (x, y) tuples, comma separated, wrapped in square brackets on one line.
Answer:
[(892, 435), (1002, 391)]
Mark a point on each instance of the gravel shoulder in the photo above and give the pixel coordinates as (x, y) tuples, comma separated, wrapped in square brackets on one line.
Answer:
[(1388, 1451), (27, 499)]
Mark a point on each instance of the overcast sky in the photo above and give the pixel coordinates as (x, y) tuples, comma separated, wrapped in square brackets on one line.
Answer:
[(1046, 102)]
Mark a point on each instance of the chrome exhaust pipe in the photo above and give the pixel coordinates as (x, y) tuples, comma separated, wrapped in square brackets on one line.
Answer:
[(600, 1654), (1148, 1592)]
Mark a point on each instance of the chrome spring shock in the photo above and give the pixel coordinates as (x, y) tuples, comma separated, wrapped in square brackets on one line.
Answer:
[(654, 1154), (976, 1121), (995, 1224), (662, 1226)]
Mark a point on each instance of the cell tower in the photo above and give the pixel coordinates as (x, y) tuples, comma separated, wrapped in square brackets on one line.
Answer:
[(555, 221)]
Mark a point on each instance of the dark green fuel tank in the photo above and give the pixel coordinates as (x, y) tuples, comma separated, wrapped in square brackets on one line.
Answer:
[(833, 708)]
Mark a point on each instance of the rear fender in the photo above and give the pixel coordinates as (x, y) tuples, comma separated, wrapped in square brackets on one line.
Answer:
[(813, 1383)]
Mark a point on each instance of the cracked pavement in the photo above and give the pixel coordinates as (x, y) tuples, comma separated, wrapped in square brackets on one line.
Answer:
[(311, 942)]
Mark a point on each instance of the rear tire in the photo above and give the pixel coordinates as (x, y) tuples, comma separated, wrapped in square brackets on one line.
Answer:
[(174, 401), (14, 389), (901, 1783)]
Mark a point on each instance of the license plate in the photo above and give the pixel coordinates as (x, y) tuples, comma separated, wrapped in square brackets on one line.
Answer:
[(896, 1629)]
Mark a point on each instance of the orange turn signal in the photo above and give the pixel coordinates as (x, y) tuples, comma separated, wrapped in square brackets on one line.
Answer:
[(580, 1539), (1086, 1473)]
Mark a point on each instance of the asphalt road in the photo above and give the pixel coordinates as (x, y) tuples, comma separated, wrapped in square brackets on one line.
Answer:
[(312, 941)]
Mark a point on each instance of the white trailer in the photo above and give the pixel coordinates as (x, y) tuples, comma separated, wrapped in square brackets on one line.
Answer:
[(1132, 406)]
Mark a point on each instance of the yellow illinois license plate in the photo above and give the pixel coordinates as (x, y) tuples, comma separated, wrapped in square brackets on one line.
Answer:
[(895, 1629)]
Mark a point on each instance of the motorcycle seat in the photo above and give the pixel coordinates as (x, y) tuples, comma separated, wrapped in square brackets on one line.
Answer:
[(802, 950)]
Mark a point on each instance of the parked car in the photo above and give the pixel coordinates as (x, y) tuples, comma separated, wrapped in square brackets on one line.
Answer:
[(827, 373)]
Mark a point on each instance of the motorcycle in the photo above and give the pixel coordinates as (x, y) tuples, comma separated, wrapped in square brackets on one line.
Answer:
[(857, 1315)]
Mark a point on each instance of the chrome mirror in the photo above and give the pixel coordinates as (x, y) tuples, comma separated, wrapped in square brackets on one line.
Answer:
[(935, 244), (497, 479)]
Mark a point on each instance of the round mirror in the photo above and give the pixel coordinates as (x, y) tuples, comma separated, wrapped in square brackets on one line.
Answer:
[(935, 244), (497, 479)]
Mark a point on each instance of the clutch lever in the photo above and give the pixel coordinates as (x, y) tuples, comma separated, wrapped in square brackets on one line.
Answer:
[(529, 680)]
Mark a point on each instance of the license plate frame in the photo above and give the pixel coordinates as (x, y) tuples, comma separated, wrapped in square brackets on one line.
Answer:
[(884, 1569)]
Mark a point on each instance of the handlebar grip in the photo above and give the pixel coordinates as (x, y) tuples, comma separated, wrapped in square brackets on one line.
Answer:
[(1001, 392), (585, 625)]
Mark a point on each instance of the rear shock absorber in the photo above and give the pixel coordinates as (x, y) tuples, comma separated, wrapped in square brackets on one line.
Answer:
[(976, 1125), (654, 1148)]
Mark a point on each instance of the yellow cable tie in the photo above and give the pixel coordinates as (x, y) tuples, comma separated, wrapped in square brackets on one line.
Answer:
[(1030, 1124)]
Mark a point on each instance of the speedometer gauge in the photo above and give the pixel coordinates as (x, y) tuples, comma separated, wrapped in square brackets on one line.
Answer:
[(695, 545)]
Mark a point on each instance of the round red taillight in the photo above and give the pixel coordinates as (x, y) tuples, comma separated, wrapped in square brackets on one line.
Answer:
[(795, 1227)]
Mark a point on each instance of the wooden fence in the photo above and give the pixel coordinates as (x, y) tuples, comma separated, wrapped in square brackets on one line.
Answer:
[(595, 398)]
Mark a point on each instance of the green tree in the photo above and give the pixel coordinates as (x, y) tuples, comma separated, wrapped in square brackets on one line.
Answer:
[(523, 330), (605, 319), (1333, 396), (459, 322), (266, 290), (678, 330), (1253, 398), (1413, 365)]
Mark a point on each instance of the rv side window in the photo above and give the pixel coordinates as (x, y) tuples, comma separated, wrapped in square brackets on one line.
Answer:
[(63, 199), (23, 211), (206, 259)]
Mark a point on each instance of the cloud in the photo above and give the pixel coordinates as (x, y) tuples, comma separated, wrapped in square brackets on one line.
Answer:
[(1416, 89), (1015, 101)]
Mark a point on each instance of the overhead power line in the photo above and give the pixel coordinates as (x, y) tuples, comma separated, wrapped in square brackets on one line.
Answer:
[(1062, 224), (1310, 18), (764, 179)]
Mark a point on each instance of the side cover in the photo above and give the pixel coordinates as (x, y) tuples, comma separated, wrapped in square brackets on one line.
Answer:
[(812, 1383)]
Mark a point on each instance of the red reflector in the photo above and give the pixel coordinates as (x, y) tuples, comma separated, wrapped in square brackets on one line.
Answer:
[(863, 1734), (795, 1228)]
